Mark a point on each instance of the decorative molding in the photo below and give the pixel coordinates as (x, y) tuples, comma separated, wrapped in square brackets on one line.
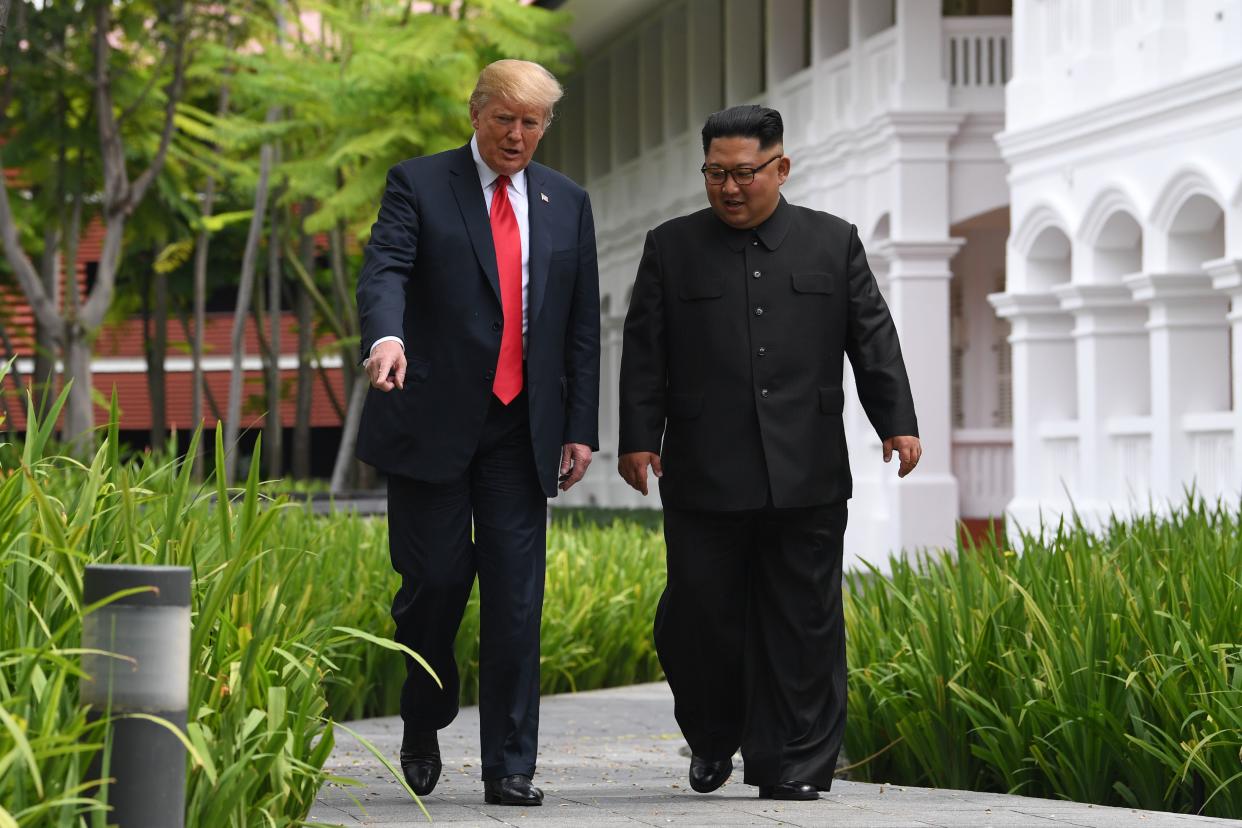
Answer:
[(1188, 181), (1040, 217), (1017, 305), (1204, 90), (1109, 201)]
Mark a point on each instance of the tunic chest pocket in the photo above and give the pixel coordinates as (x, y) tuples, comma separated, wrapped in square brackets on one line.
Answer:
[(816, 282), (701, 286)]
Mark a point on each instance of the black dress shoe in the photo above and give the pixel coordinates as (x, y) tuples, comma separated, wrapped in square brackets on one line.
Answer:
[(511, 790), (789, 790), (420, 760), (706, 775)]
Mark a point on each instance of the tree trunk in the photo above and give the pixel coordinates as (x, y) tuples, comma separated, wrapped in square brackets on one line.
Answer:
[(273, 439), (4, 18), (79, 410), (347, 308), (306, 341), (200, 304), (197, 380), (46, 339), (159, 350), (349, 434), (10, 358), (245, 287)]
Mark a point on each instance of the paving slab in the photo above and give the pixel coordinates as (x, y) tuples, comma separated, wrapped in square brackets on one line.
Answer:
[(614, 758)]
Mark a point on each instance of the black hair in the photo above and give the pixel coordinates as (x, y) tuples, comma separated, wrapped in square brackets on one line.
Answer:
[(750, 121)]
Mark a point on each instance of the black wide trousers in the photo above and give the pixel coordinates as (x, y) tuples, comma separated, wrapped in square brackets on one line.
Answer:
[(751, 636), (432, 547)]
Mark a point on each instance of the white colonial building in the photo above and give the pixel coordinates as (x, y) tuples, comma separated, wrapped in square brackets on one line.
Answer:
[(1051, 201)]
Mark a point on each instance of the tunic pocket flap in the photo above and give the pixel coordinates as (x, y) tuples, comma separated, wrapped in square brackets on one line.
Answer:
[(684, 406), (706, 286), (831, 400), (819, 282)]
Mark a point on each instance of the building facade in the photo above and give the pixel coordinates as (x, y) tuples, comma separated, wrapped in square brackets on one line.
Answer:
[(1047, 199)]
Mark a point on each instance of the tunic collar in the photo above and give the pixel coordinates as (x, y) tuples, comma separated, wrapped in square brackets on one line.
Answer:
[(770, 234)]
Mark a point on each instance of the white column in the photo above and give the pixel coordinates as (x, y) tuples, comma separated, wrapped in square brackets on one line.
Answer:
[(1040, 337), (1227, 278), (920, 80), (1108, 332), (924, 504), (1189, 363)]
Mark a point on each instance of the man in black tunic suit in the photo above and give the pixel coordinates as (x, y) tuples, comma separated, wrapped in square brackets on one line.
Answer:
[(731, 394)]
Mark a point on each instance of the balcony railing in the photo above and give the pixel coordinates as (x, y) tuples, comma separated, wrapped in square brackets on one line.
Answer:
[(983, 466), (978, 60)]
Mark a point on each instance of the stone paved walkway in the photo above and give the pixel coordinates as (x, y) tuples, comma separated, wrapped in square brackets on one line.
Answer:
[(612, 757)]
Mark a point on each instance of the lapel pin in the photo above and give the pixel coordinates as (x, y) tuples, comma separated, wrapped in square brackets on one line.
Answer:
[(544, 197)]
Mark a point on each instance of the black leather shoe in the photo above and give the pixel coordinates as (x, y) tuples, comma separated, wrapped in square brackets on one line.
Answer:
[(511, 790), (706, 775), (797, 791), (420, 760)]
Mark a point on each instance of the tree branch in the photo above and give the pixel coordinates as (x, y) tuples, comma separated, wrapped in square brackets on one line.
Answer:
[(4, 18), (143, 181), (27, 277)]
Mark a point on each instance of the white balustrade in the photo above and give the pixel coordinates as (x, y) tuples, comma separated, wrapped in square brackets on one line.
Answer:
[(977, 55), (1211, 448), (1130, 476), (1059, 463), (983, 466)]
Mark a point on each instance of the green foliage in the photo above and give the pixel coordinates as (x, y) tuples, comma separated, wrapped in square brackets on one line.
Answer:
[(263, 637), (1098, 668), (288, 609)]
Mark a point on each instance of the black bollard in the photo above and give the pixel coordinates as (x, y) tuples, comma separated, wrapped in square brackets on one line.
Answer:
[(150, 630)]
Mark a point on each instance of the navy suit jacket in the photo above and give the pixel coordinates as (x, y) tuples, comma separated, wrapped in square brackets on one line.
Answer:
[(429, 276)]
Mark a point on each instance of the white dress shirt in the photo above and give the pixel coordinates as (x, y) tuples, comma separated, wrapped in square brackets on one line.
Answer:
[(521, 210)]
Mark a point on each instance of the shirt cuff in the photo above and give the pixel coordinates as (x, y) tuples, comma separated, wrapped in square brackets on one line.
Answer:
[(396, 339)]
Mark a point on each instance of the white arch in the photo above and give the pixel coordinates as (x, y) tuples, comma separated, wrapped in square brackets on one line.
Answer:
[(881, 228), (1037, 219), (1187, 182), (1109, 201)]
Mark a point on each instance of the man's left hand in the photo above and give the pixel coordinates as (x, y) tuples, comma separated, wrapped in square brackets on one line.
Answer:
[(575, 457), (908, 449)]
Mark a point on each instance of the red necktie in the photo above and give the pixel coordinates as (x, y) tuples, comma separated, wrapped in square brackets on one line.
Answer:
[(508, 242)]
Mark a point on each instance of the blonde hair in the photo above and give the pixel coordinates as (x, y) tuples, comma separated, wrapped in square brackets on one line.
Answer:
[(520, 82)]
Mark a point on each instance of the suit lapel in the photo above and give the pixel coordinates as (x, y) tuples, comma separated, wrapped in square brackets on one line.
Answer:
[(540, 243), (469, 194)]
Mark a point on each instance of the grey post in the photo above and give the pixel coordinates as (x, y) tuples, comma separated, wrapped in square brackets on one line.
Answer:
[(150, 632)]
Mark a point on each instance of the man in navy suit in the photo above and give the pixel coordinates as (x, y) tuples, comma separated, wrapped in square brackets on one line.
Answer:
[(479, 306)]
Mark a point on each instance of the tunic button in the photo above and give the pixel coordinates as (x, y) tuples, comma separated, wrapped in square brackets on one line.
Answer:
[(754, 244), (490, 375), (495, 326), (756, 274), (758, 311), (762, 350), (763, 392)]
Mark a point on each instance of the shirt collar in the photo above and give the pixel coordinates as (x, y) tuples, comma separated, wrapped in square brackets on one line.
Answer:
[(488, 176), (771, 233)]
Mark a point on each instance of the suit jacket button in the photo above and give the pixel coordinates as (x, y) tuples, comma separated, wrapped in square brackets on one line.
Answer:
[(495, 326), (762, 350), (758, 311), (490, 375), (756, 274), (763, 392)]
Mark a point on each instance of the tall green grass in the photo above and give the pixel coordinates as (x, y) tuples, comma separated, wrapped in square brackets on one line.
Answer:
[(1099, 668), (288, 610)]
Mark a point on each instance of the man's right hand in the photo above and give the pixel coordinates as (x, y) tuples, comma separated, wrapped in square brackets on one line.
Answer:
[(386, 366), (633, 467)]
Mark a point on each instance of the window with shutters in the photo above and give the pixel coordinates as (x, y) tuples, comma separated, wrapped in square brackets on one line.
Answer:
[(957, 353), (1002, 416)]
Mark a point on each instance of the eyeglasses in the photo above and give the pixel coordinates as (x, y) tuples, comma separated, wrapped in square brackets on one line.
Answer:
[(742, 175)]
